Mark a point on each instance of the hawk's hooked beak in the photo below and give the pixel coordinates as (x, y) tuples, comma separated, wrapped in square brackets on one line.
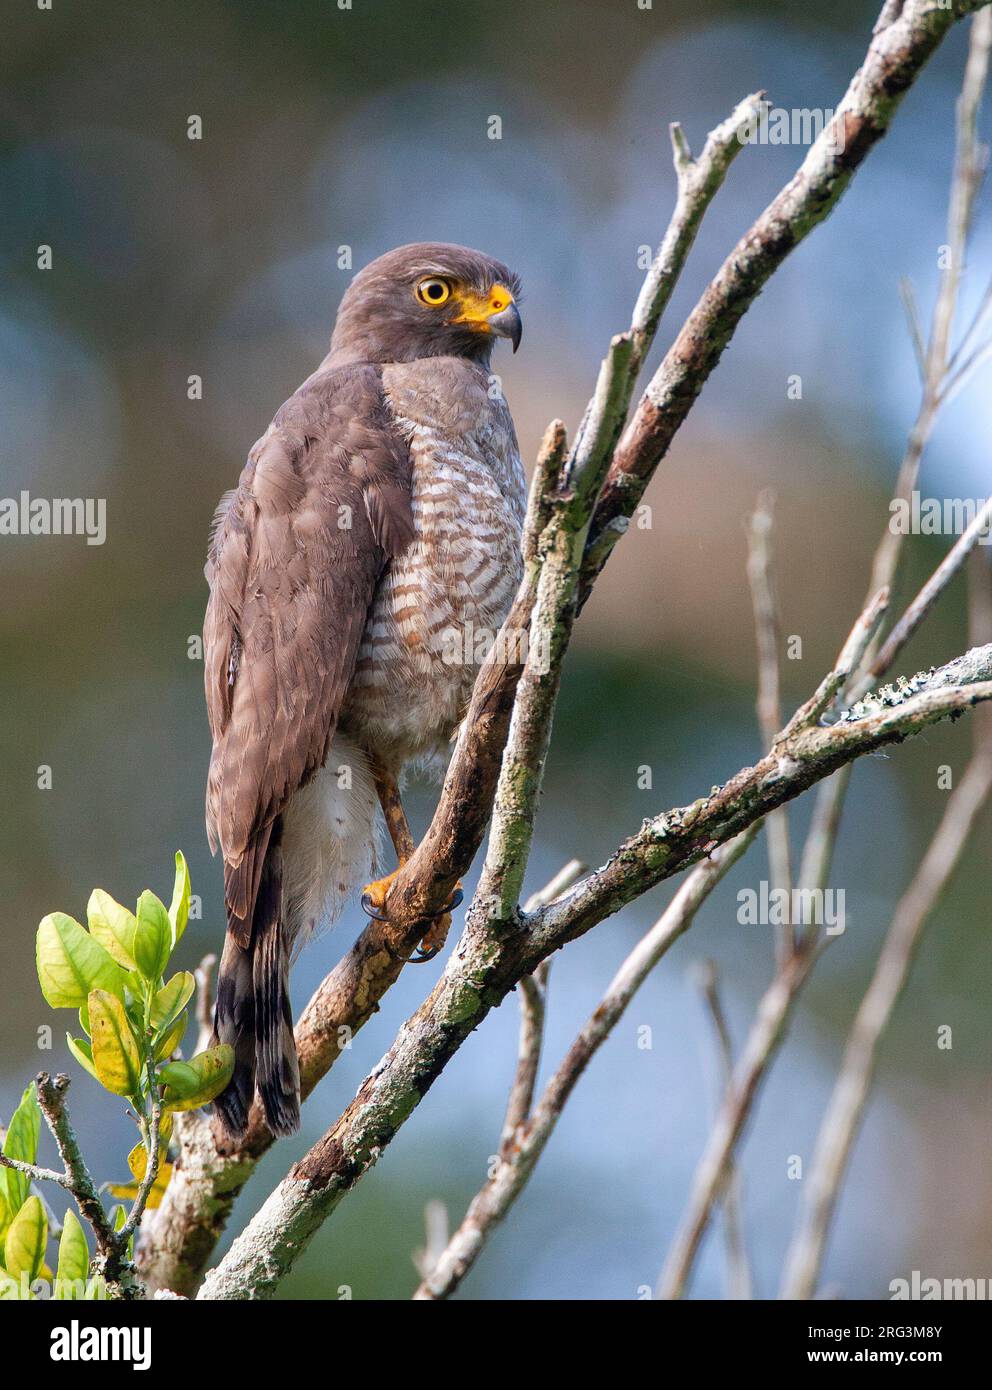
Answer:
[(494, 312), (507, 324)]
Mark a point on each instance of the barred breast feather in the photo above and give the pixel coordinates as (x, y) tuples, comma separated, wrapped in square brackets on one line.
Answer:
[(441, 602)]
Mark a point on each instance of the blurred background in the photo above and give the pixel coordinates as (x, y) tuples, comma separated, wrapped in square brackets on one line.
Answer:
[(366, 128)]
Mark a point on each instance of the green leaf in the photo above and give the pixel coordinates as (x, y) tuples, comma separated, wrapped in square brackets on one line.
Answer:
[(179, 909), (82, 1050), (21, 1143), (196, 1082), (153, 942), (71, 963), (171, 999), (113, 926), (115, 1052), (24, 1247), (74, 1257), (168, 1042)]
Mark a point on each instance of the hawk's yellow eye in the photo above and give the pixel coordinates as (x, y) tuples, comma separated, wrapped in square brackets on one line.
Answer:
[(433, 291)]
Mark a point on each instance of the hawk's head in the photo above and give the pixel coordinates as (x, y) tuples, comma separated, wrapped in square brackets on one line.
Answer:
[(429, 299)]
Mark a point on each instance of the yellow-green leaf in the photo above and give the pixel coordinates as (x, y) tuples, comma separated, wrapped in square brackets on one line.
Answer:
[(24, 1246), (168, 1042), (71, 963), (127, 1191), (115, 1052), (74, 1258), (179, 908), (113, 926), (82, 1050), (196, 1082), (171, 999), (153, 940), (21, 1143), (137, 1159)]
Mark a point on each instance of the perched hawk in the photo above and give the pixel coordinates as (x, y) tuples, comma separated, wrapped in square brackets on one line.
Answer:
[(376, 523)]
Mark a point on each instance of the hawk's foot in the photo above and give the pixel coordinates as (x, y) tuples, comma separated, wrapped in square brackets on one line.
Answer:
[(374, 896), (437, 934)]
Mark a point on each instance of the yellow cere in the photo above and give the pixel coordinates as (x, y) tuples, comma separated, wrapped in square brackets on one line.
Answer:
[(477, 309)]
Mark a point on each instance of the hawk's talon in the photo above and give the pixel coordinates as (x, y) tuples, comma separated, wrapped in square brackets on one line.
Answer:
[(368, 907), (421, 957)]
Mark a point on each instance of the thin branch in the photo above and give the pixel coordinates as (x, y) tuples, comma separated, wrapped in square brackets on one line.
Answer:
[(908, 296), (765, 1038), (35, 1173), (769, 698), (897, 52), (152, 1158), (968, 162), (533, 992), (738, 1269), (929, 593), (845, 1110), (497, 1196), (51, 1099), (847, 1102), (698, 181)]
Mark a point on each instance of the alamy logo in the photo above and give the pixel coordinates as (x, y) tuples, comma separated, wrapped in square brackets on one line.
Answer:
[(918, 1288), (470, 646), (938, 516), (54, 516), (81, 1343), (796, 125), (765, 906)]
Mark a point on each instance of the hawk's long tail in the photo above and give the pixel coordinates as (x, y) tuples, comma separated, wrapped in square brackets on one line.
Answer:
[(253, 1012), (292, 883)]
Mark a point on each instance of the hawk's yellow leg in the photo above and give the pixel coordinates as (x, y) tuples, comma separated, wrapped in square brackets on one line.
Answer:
[(374, 894)]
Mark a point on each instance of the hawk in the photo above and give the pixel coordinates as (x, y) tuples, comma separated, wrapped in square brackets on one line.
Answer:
[(376, 523)]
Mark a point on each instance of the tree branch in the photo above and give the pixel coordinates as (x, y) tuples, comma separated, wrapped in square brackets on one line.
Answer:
[(897, 52), (485, 967)]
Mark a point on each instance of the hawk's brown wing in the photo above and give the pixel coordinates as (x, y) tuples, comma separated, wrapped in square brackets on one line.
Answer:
[(322, 504)]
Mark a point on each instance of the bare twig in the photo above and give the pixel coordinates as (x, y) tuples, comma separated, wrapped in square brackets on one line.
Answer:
[(152, 1158), (897, 52), (51, 1099), (928, 595), (533, 991), (739, 1285), (845, 1109), (846, 1106), (968, 163), (769, 700), (764, 1039), (497, 1196)]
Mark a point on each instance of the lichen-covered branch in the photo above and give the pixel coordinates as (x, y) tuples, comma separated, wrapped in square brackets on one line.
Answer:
[(487, 965), (76, 1175)]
